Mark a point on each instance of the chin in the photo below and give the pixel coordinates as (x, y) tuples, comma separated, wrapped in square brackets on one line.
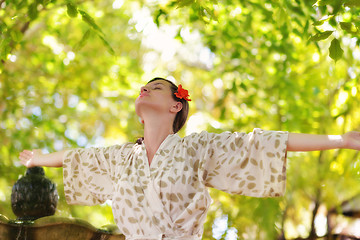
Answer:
[(141, 104), (137, 111)]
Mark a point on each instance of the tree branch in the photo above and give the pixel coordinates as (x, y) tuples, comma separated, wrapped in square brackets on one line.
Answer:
[(312, 235)]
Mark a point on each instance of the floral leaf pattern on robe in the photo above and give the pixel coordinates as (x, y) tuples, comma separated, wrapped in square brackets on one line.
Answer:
[(169, 199)]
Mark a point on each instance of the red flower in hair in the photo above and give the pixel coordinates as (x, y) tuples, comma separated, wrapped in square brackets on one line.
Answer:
[(182, 93)]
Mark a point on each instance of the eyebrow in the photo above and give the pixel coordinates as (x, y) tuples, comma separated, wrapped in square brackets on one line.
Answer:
[(159, 83)]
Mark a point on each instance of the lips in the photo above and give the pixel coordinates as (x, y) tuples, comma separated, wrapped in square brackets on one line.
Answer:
[(143, 94)]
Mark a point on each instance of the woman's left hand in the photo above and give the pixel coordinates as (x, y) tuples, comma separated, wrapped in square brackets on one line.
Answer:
[(351, 140)]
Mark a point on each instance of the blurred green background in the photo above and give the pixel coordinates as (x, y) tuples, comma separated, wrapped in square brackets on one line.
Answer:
[(70, 72)]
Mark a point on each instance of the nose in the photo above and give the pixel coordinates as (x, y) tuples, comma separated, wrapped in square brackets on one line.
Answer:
[(142, 89)]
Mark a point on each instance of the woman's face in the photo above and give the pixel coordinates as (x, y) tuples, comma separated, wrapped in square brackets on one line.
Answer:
[(155, 96)]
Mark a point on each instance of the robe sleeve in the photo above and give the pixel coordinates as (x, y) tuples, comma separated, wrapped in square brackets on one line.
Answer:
[(89, 174), (251, 164)]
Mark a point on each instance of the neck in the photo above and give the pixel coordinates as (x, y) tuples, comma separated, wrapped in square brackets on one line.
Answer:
[(155, 132)]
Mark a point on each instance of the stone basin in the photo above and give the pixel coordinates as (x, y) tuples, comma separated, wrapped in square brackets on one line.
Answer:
[(57, 228)]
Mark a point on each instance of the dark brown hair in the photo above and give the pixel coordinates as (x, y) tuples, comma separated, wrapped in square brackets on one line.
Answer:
[(181, 116)]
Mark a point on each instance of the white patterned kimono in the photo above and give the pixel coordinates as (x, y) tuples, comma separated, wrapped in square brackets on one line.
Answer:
[(169, 199)]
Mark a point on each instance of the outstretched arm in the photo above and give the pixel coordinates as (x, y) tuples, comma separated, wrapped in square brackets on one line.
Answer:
[(37, 158), (309, 142)]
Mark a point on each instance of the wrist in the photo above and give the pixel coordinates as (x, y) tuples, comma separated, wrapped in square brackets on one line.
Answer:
[(39, 160), (339, 141), (345, 143)]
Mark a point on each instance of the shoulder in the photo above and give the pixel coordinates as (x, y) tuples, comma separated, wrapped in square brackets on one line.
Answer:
[(126, 147), (112, 149), (206, 134), (206, 137), (194, 136), (115, 147)]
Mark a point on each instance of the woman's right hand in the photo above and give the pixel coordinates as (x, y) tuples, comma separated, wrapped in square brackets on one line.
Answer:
[(29, 158)]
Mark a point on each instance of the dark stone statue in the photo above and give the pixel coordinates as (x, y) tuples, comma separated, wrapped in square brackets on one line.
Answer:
[(33, 200), (34, 196)]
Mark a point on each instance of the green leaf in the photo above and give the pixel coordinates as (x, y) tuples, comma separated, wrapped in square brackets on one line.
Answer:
[(352, 3), (158, 14), (337, 6), (347, 26), (46, 2), (234, 88), (21, 4), (305, 30), (83, 40), (335, 50), (3, 27), (322, 21), (243, 86), (89, 20), (107, 45), (4, 48), (325, 2), (71, 10), (205, 11), (184, 3), (321, 36), (298, 33), (16, 35), (223, 113), (32, 11), (179, 37), (281, 16)]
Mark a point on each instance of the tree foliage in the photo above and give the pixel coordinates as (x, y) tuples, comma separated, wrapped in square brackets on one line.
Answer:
[(71, 70)]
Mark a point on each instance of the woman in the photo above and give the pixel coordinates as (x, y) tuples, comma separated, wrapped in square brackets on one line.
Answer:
[(158, 185)]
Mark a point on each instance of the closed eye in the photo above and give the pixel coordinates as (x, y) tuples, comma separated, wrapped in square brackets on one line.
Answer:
[(157, 86)]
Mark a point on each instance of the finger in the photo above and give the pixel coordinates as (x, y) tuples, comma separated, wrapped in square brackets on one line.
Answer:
[(22, 156), (23, 161), (26, 155), (29, 154), (27, 151)]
